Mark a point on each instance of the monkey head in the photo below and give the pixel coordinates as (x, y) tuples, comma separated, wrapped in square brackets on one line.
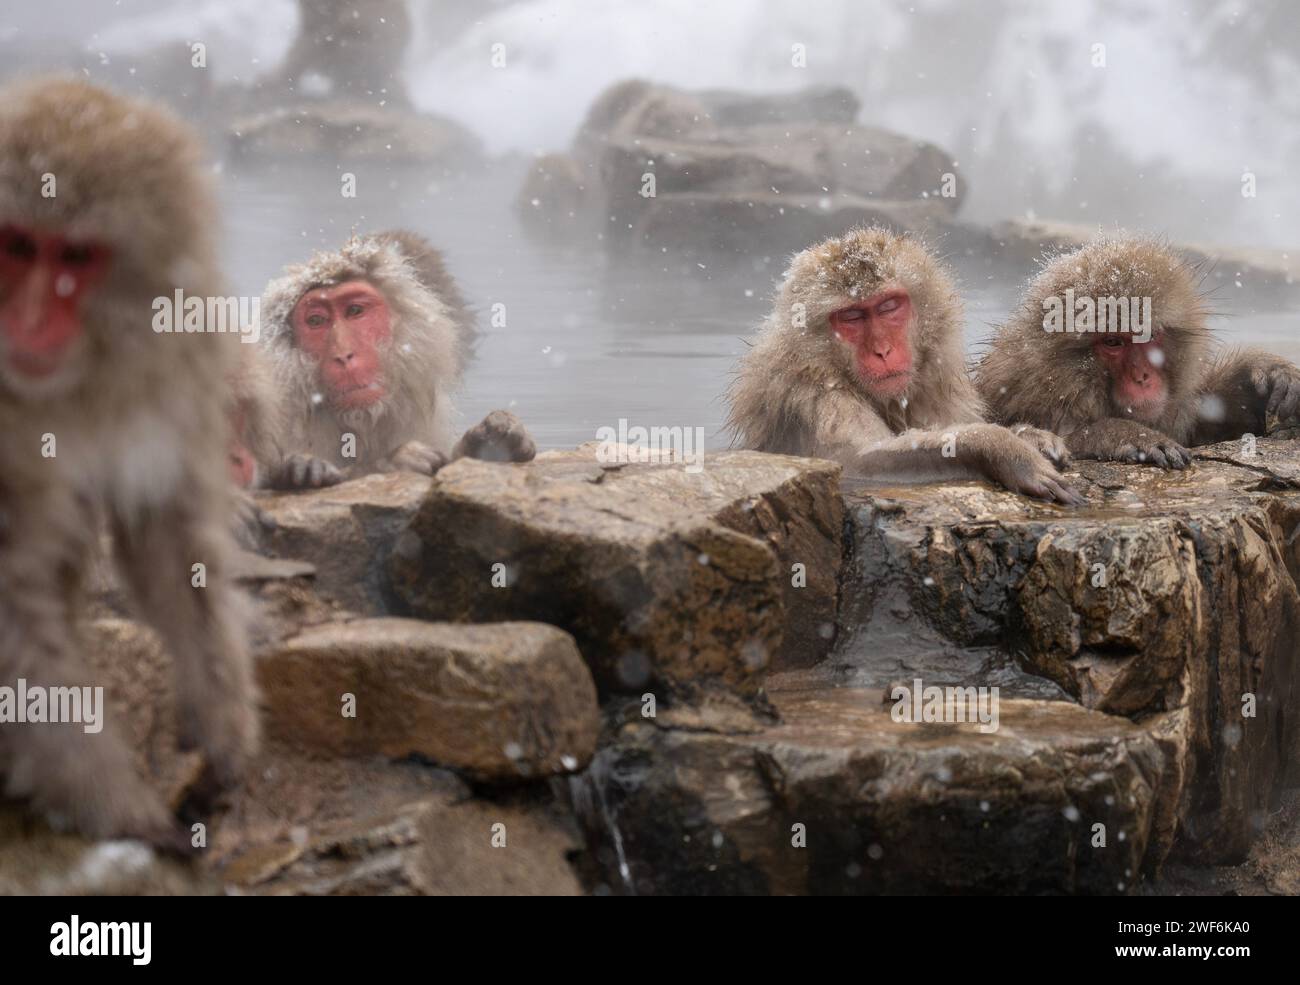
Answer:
[(878, 306), (1140, 335), (89, 230), (355, 332)]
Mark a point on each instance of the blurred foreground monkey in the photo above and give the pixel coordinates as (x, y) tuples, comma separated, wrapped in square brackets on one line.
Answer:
[(1109, 348), (255, 409), (367, 345), (861, 362), (104, 208)]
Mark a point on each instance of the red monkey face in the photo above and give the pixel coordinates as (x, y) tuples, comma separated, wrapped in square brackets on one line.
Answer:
[(44, 281), (877, 330), (1137, 373), (345, 328)]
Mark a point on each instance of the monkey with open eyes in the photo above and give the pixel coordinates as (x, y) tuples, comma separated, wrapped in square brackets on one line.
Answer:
[(861, 362), (105, 207), (1141, 377), (368, 344)]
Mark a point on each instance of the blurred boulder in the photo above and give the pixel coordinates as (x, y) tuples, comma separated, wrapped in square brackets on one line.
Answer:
[(339, 132), (718, 170)]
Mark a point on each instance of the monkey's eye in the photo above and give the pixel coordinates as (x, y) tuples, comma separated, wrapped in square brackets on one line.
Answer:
[(887, 306), (354, 309), (316, 320), (76, 255), (1112, 342), (18, 245), (852, 314)]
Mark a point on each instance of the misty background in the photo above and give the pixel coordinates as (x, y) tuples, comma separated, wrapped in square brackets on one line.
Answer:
[(1192, 95)]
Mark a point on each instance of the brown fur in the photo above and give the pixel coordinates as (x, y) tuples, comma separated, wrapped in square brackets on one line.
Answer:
[(140, 424), (432, 270), (431, 327), (422, 365), (797, 391), (1053, 379), (253, 393)]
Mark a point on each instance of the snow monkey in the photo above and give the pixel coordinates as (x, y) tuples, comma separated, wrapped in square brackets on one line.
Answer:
[(368, 344), (105, 207), (861, 361), (255, 409), (1139, 377)]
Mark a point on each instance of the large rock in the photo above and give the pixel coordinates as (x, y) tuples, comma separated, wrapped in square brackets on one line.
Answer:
[(808, 163), (841, 799), (1168, 593), (711, 223), (665, 577), (812, 104), (730, 168), (345, 533), (498, 702)]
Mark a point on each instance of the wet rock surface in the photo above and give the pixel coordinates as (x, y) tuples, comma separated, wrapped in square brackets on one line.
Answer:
[(668, 578), (1143, 646), (841, 799), (1168, 593)]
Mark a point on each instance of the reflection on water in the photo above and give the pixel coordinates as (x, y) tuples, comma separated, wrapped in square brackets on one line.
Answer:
[(652, 339)]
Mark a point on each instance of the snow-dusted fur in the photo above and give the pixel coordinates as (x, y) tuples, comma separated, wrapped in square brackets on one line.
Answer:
[(422, 364), (1053, 380), (781, 396)]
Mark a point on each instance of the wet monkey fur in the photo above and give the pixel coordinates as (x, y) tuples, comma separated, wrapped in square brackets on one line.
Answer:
[(861, 361), (1141, 394), (368, 344)]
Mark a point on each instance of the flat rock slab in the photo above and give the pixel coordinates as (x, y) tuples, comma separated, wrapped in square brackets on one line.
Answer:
[(496, 702), (1168, 592), (667, 578), (840, 798)]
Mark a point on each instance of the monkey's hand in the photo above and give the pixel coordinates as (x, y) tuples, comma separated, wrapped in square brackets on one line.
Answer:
[(1022, 468), (1050, 445), (300, 471), (499, 437), (1278, 383), (414, 456), (1117, 440)]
